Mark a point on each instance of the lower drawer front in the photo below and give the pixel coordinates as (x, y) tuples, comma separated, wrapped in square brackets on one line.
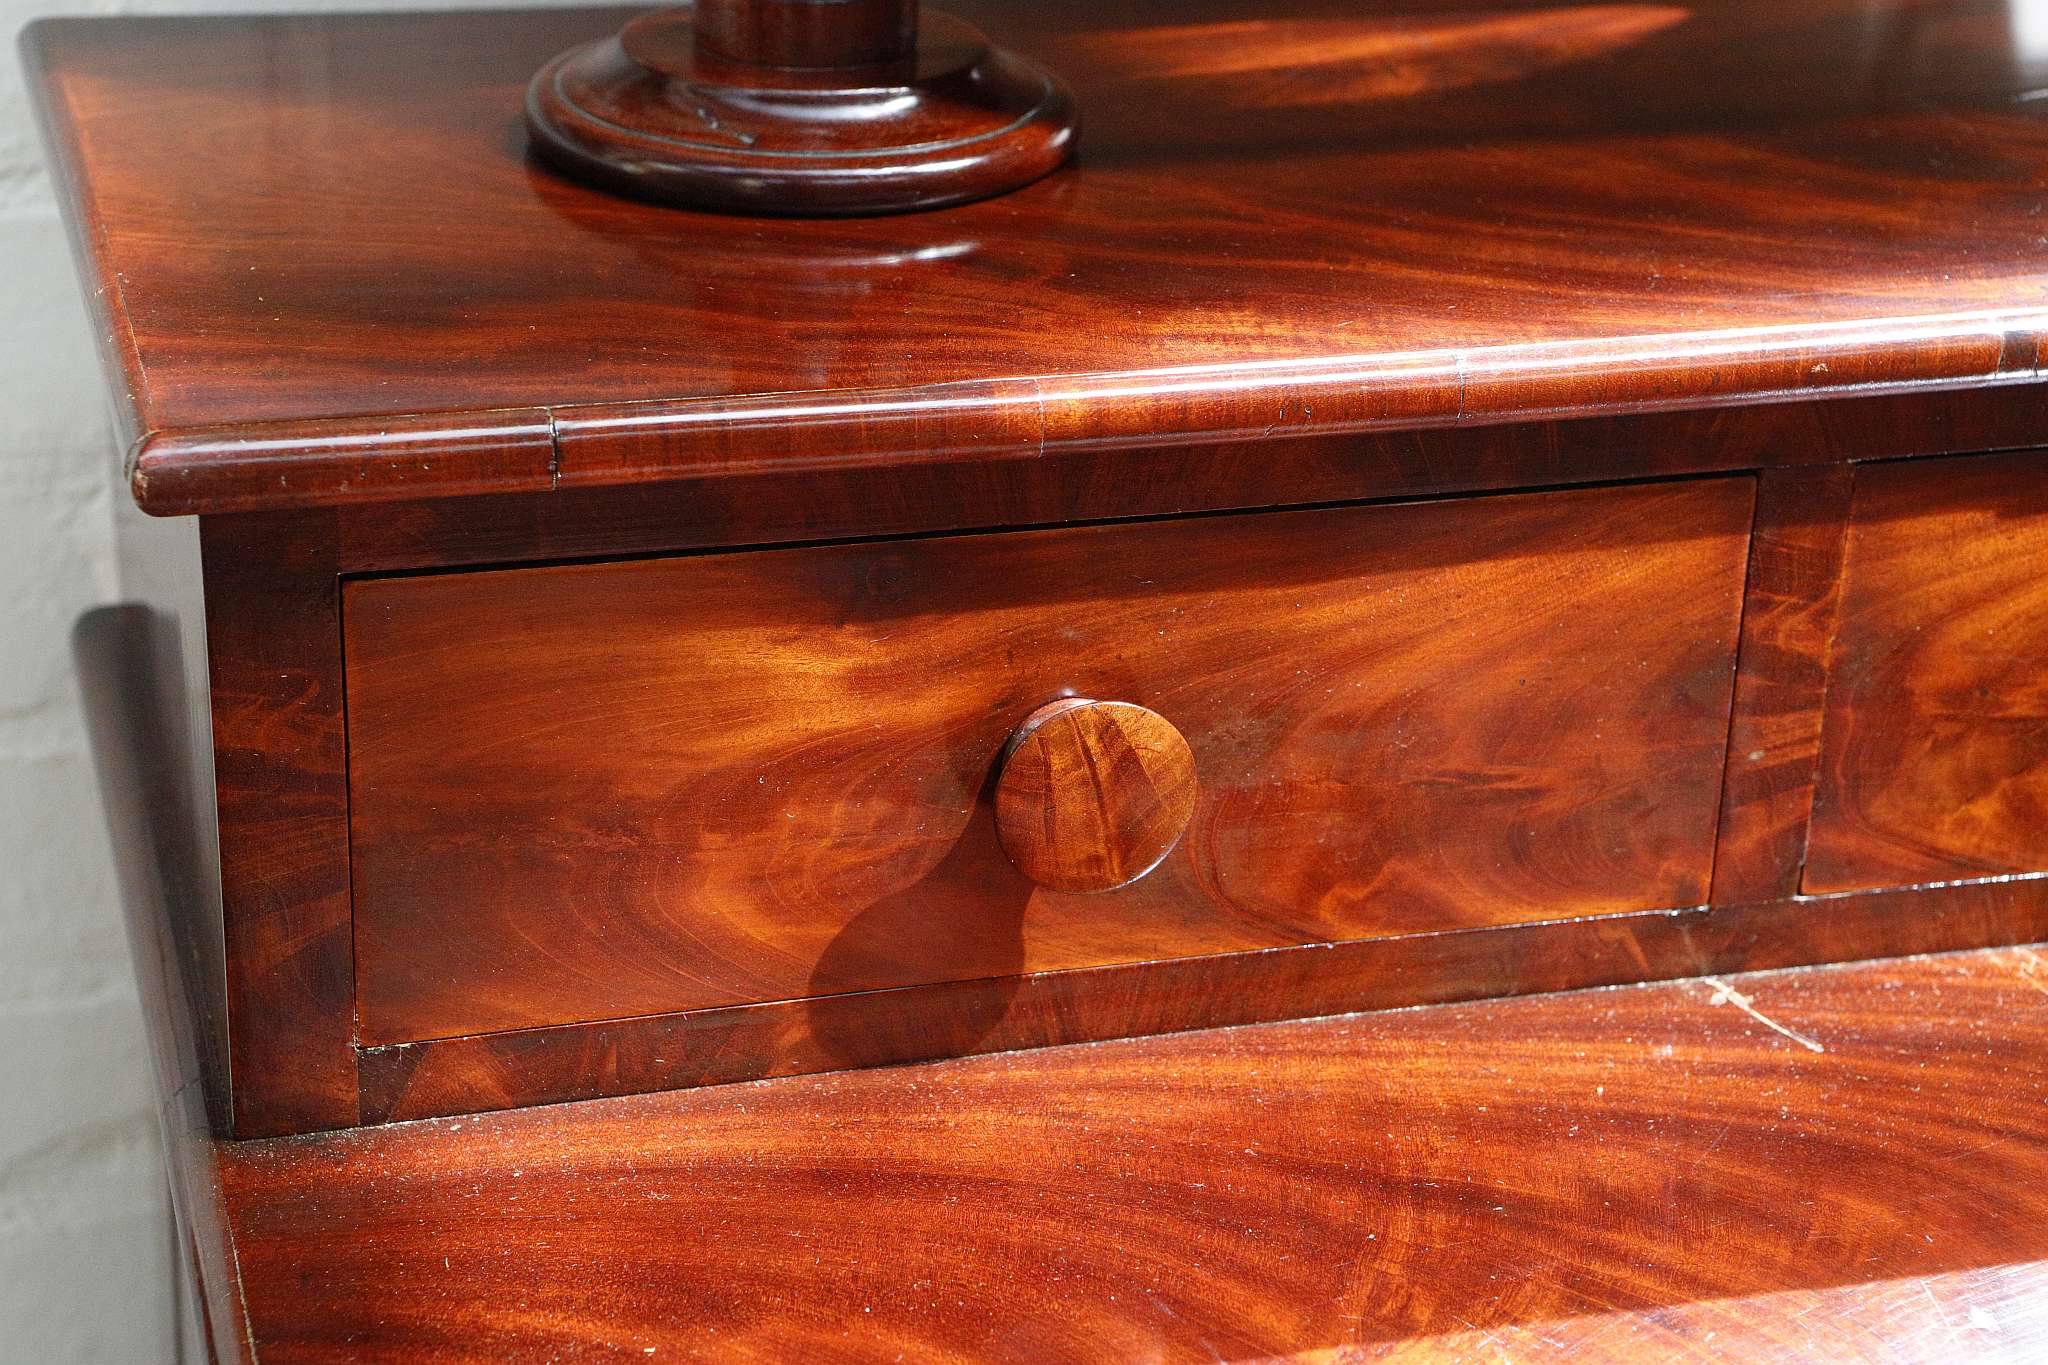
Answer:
[(1934, 744), (596, 791)]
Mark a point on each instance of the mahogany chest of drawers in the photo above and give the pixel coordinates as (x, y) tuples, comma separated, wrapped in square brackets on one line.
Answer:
[(1425, 509)]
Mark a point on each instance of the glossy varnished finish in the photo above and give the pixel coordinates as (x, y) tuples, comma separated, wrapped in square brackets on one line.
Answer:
[(604, 790), (1090, 795), (716, 799), (796, 107), (1280, 276), (1313, 219), (1607, 1176), (1935, 742), (142, 678), (833, 34), (294, 559), (1788, 619), (1842, 1164), (274, 658), (997, 1014), (822, 504)]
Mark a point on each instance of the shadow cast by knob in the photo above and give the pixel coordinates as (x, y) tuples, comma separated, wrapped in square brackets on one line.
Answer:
[(923, 933)]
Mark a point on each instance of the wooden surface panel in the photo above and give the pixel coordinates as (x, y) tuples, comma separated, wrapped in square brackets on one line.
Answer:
[(142, 679), (604, 790), (1935, 740), (1840, 1164), (1317, 218), (273, 636), (759, 509), (1788, 624), (998, 1014)]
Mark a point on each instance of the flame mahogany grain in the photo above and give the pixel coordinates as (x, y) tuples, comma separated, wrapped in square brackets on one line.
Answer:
[(605, 790), (1934, 765), (1091, 795), (549, 1064), (920, 1024), (1612, 1176), (1315, 219), (1317, 254), (1568, 245), (1787, 625)]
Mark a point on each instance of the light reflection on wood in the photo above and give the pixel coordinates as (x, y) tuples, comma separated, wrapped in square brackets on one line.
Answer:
[(1343, 61)]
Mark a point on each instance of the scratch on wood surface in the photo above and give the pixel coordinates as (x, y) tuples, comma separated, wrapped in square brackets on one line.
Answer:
[(1725, 994), (1499, 1347), (2033, 968), (1947, 1325)]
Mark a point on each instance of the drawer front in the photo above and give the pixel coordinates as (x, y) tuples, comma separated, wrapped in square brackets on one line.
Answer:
[(1934, 739), (605, 790)]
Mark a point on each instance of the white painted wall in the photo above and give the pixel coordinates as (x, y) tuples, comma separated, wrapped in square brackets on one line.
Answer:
[(86, 1253)]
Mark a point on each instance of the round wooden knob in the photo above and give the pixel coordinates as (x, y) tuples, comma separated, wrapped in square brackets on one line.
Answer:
[(1092, 795)]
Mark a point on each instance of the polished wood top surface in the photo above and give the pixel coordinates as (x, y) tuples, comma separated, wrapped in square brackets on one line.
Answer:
[(1840, 1164), (1315, 218)]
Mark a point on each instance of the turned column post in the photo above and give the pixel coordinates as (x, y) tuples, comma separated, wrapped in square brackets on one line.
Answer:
[(808, 33)]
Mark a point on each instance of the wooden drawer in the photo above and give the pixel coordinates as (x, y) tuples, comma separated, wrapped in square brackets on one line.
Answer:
[(1934, 753), (604, 790)]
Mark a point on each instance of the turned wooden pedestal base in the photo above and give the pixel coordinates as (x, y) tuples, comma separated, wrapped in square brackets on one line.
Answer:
[(808, 107)]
